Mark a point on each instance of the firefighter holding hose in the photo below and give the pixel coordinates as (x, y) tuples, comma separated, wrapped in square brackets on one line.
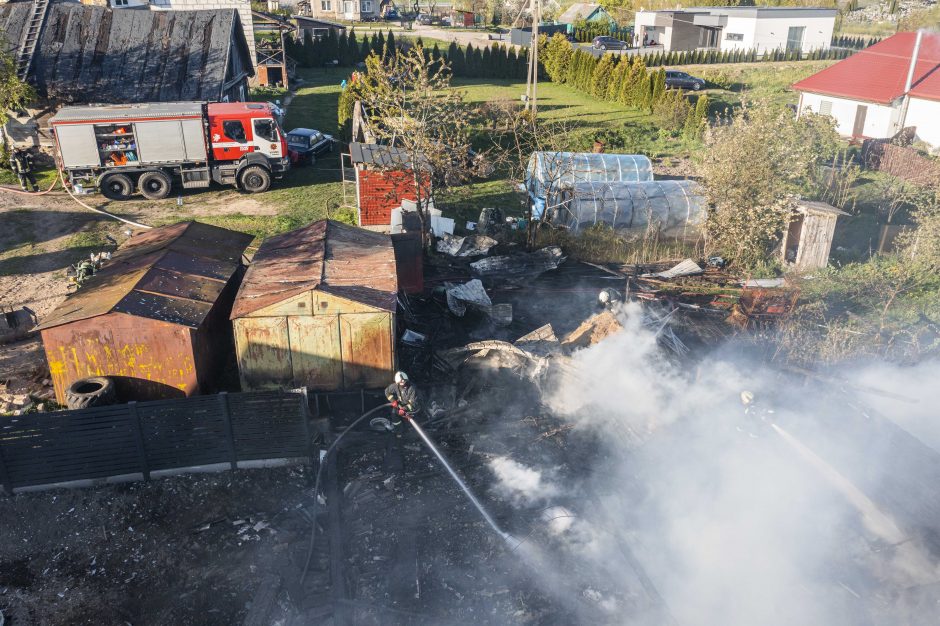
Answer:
[(403, 396)]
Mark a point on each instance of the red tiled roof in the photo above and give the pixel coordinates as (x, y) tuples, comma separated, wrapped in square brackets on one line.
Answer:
[(877, 74)]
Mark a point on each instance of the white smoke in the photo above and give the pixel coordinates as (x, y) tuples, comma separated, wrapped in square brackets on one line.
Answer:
[(520, 484), (734, 519)]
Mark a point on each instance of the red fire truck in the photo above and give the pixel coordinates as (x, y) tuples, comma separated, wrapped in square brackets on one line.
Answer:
[(152, 146)]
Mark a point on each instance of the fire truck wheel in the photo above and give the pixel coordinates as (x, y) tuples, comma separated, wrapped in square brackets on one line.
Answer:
[(155, 185), (86, 392), (117, 186), (254, 179)]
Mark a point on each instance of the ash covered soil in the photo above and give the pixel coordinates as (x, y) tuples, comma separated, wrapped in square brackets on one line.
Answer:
[(181, 550)]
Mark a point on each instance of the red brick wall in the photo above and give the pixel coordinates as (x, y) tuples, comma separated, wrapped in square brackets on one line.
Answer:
[(382, 191)]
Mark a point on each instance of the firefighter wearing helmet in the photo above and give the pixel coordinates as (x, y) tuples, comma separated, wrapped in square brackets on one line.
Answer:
[(403, 397), (609, 298)]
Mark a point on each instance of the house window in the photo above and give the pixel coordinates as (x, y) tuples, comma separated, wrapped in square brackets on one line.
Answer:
[(734, 37), (367, 6), (119, 3), (825, 107), (326, 5)]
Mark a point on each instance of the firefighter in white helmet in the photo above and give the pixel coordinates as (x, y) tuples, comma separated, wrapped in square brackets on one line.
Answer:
[(403, 397), (609, 298)]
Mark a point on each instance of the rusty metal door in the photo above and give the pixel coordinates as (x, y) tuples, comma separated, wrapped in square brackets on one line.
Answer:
[(263, 352), (367, 349), (316, 355)]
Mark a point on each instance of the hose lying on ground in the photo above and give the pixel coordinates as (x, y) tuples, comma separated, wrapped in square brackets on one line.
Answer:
[(316, 489), (31, 193), (90, 208), (71, 195)]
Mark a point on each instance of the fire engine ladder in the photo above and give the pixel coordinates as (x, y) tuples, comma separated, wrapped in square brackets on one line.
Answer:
[(30, 39)]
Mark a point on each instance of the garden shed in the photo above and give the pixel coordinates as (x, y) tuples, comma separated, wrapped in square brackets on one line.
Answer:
[(154, 318), (384, 180), (674, 208), (317, 310), (808, 239), (549, 173)]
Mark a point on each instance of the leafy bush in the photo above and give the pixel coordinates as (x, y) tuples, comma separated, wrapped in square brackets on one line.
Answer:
[(719, 78)]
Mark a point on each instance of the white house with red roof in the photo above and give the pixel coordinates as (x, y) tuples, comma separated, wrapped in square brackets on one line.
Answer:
[(892, 85)]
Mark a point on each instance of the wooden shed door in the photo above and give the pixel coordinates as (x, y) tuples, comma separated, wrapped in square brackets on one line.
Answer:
[(316, 354), (367, 349), (263, 352)]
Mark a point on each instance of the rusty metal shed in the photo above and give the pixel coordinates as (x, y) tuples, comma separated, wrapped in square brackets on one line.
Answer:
[(155, 318), (317, 309)]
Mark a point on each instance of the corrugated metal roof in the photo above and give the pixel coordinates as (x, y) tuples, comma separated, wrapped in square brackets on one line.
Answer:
[(379, 155), (118, 112), (336, 258), (878, 74), (94, 54), (171, 273)]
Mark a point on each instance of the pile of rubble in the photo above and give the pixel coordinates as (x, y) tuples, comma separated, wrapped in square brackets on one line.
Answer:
[(881, 11), (25, 396)]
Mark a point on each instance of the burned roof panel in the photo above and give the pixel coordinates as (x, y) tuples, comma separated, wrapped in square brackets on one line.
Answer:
[(171, 273), (94, 54), (343, 260)]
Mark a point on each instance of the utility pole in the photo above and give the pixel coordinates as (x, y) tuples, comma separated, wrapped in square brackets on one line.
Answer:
[(532, 81)]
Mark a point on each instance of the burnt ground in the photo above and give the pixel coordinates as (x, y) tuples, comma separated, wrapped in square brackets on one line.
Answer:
[(232, 548)]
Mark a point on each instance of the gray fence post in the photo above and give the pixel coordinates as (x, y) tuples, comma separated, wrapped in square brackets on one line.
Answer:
[(139, 432), (5, 479), (305, 416), (230, 433)]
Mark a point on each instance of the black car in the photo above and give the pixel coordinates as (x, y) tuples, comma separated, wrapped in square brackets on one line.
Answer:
[(306, 144), (608, 43), (681, 80)]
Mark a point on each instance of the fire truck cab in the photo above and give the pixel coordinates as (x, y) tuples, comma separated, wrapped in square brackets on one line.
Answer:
[(247, 144)]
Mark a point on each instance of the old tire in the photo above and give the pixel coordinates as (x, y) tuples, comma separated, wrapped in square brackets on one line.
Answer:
[(155, 185), (88, 392), (116, 186), (254, 179)]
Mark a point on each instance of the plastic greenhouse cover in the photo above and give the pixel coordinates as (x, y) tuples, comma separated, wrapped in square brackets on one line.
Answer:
[(554, 170), (676, 207)]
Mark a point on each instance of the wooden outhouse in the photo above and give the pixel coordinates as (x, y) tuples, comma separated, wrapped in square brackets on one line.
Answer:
[(808, 239), (154, 318), (317, 310)]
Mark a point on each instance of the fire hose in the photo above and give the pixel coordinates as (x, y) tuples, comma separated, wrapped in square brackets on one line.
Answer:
[(79, 202), (316, 488), (509, 539)]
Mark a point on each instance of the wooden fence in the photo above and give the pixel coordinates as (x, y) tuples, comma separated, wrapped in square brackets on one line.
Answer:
[(901, 161), (137, 440)]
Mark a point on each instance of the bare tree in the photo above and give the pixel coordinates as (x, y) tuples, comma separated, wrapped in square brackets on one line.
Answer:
[(413, 107)]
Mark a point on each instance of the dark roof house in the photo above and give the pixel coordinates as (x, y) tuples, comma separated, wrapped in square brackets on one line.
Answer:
[(92, 54)]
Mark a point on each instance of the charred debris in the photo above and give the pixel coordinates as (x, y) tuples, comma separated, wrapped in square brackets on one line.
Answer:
[(394, 541)]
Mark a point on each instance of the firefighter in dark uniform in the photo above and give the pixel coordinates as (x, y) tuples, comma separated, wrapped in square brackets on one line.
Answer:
[(21, 162), (609, 298), (406, 403)]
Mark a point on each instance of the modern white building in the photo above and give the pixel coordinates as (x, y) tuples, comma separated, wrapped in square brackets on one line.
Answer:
[(874, 94), (763, 29)]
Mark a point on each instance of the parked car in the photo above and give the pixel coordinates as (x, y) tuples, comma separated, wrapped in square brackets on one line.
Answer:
[(426, 19), (306, 144), (681, 80), (392, 15), (608, 43)]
